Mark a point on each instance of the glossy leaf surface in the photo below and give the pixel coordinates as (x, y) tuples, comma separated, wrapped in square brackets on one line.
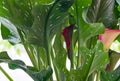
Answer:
[(101, 11)]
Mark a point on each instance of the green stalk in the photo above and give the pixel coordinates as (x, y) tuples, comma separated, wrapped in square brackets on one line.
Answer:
[(79, 28), (47, 47), (31, 56), (55, 69), (38, 57), (6, 74), (98, 76), (72, 56), (46, 38)]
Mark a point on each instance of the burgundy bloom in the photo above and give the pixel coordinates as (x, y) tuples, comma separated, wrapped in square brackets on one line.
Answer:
[(67, 33)]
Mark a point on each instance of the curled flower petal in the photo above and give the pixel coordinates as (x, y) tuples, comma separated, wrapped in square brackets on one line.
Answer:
[(67, 33), (108, 37)]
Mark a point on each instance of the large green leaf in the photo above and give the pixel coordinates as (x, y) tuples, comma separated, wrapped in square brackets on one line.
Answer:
[(8, 31), (36, 75), (101, 11), (42, 75), (47, 19), (94, 60)]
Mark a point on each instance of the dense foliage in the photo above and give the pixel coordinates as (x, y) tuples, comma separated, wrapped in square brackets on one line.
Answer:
[(45, 26)]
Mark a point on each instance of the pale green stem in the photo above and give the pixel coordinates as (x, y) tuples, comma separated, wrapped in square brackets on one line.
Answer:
[(79, 28), (98, 76), (6, 74)]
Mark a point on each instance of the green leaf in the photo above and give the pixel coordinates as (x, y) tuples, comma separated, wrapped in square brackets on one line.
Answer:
[(100, 58), (111, 76), (101, 11), (47, 19), (15, 64), (3, 9), (83, 3), (4, 57), (115, 75), (89, 31), (18, 12), (8, 31), (43, 75), (42, 58), (94, 60), (114, 58), (86, 30)]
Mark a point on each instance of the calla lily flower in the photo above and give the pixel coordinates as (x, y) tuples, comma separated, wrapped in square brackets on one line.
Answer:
[(67, 33), (108, 37)]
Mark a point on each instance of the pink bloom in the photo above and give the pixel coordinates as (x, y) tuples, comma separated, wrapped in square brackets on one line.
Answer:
[(108, 37), (67, 33)]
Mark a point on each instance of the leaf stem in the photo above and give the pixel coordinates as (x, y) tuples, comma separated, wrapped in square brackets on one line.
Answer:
[(38, 57), (48, 55), (98, 76), (55, 68), (6, 74), (72, 57), (79, 28)]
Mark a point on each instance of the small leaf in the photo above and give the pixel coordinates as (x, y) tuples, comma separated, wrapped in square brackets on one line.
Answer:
[(15, 64), (4, 57), (8, 31)]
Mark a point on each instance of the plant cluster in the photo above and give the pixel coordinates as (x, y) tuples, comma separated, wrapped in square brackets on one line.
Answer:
[(52, 31)]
